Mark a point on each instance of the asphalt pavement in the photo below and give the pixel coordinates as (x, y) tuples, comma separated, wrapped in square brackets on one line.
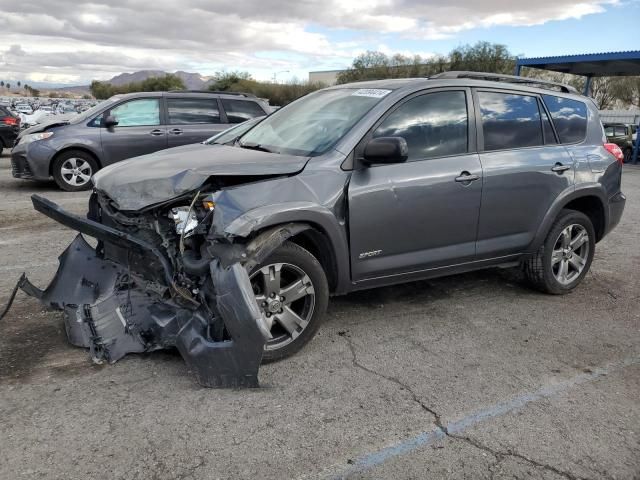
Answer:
[(470, 376)]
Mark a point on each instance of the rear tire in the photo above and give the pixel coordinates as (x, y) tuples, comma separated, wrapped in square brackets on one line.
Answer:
[(72, 170), (565, 257), (627, 155)]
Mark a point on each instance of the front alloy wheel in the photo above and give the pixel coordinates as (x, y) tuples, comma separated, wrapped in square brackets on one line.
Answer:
[(291, 291), (76, 172), (72, 170)]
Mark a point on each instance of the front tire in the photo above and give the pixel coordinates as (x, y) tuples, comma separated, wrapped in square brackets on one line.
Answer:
[(72, 170), (565, 257), (292, 293)]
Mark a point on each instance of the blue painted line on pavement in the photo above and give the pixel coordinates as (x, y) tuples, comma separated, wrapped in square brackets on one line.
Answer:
[(423, 439)]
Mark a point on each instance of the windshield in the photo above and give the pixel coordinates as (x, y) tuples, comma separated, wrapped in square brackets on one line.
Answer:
[(81, 117), (232, 133), (312, 125)]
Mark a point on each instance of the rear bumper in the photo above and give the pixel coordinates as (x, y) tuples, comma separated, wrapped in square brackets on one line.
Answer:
[(8, 136), (616, 207)]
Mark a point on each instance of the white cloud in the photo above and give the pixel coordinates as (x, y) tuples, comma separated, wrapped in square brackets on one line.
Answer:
[(80, 41)]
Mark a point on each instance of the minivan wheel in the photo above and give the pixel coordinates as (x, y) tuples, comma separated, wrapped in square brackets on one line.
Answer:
[(292, 293), (72, 170), (566, 255)]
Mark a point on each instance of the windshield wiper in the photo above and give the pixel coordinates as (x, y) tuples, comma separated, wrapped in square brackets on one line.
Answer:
[(255, 146)]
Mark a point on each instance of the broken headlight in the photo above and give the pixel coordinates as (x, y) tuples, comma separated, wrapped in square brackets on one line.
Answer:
[(185, 220)]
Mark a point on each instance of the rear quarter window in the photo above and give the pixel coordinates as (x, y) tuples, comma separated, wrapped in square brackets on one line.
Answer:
[(239, 111), (569, 117)]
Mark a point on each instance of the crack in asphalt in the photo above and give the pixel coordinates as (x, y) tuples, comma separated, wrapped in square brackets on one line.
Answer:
[(500, 456)]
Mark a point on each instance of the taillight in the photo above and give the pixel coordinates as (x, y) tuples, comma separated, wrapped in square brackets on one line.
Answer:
[(616, 151), (10, 120)]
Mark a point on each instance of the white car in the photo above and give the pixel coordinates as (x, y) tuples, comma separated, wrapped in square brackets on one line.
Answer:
[(24, 109)]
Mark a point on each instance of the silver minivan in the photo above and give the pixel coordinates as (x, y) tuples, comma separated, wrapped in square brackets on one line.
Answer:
[(72, 149)]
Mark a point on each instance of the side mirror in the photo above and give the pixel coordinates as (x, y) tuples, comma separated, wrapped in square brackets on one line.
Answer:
[(109, 121), (386, 150)]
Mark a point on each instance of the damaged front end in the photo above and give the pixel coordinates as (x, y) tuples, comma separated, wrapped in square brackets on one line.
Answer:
[(159, 278)]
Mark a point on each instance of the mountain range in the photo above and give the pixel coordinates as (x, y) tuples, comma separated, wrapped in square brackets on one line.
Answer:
[(192, 81)]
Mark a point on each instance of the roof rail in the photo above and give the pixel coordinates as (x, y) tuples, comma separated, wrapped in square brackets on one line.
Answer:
[(498, 77), (216, 92)]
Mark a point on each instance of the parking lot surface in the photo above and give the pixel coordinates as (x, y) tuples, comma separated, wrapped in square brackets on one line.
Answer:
[(471, 376)]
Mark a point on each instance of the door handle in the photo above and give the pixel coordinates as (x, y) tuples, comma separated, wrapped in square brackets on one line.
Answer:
[(559, 168), (176, 131), (156, 132), (466, 177)]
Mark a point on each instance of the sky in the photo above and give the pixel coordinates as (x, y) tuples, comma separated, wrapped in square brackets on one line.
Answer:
[(70, 42)]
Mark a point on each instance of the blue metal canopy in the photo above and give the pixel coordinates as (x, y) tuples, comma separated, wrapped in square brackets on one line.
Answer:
[(610, 64)]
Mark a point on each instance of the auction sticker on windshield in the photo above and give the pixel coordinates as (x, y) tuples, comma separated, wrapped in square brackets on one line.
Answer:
[(370, 92)]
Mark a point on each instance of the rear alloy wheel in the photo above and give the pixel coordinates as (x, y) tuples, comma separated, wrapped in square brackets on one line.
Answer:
[(72, 171), (292, 294), (565, 257)]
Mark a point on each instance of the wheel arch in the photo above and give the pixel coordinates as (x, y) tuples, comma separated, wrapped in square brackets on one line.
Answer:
[(308, 235), (80, 148), (591, 201)]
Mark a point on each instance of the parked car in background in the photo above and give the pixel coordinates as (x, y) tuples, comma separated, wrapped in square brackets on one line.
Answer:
[(231, 134), (9, 128), (622, 134), (24, 108), (125, 126), (47, 109)]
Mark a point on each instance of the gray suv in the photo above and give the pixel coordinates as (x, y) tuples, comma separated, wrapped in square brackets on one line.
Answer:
[(72, 150), (230, 252)]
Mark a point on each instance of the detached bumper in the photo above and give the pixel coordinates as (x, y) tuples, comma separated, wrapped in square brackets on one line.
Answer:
[(112, 312)]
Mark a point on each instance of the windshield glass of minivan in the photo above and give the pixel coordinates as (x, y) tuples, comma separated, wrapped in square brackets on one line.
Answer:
[(312, 125), (232, 133), (81, 117)]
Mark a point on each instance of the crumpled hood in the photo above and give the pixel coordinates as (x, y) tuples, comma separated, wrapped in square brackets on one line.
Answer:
[(143, 181), (55, 121)]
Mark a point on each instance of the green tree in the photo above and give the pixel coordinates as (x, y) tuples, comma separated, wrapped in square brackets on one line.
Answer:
[(223, 81), (103, 90), (18, 83), (483, 57), (2, 83), (8, 86), (278, 94)]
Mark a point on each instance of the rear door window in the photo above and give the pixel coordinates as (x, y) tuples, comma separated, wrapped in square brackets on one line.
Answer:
[(569, 117), (510, 120), (240, 110), (187, 111)]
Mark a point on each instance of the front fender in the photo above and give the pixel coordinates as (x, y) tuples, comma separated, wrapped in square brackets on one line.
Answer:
[(317, 217), (592, 190), (316, 199)]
